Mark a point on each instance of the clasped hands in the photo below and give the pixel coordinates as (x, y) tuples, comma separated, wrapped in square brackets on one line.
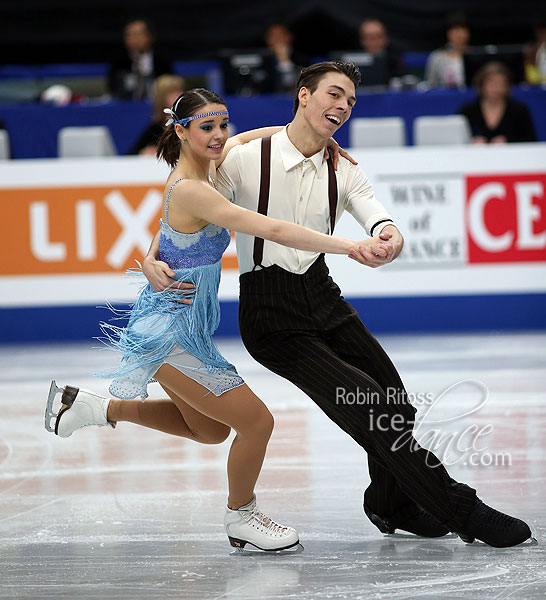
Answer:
[(374, 252)]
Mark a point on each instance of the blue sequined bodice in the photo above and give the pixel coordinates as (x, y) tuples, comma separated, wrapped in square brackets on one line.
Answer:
[(186, 250)]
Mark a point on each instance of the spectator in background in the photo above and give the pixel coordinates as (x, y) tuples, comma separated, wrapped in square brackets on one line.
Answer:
[(494, 117), (166, 90), (445, 66), (375, 40), (132, 75), (535, 54), (286, 62)]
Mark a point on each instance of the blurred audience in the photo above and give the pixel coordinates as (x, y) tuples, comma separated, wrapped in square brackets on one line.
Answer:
[(495, 117), (132, 74), (57, 94), (535, 54), (166, 90), (445, 66), (375, 40), (287, 62)]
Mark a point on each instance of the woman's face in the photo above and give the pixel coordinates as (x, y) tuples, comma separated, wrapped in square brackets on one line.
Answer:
[(458, 37), (206, 137), (495, 87)]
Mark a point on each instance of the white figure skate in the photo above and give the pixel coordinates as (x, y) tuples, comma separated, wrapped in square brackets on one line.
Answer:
[(79, 408), (248, 525)]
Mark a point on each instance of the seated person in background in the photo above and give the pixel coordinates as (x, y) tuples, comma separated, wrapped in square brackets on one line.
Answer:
[(375, 40), (166, 90), (132, 74), (445, 66), (535, 54), (494, 117), (286, 62)]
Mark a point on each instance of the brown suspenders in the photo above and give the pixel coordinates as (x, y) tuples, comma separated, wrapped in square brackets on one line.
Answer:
[(263, 199)]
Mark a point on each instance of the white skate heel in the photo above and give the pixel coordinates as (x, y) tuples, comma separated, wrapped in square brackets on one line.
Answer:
[(248, 525), (79, 408)]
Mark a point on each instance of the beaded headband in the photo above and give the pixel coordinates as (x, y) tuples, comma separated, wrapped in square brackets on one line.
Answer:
[(186, 120)]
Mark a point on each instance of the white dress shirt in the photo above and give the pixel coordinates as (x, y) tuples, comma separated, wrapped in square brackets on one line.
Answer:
[(299, 194)]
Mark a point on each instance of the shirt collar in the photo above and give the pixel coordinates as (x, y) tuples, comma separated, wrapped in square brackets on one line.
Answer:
[(291, 156)]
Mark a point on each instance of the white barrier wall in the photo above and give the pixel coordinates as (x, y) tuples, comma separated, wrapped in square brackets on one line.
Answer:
[(473, 218)]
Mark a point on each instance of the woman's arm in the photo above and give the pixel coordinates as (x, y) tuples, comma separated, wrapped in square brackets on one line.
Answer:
[(203, 203)]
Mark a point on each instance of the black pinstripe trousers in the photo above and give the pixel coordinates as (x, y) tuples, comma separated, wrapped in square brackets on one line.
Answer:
[(300, 327)]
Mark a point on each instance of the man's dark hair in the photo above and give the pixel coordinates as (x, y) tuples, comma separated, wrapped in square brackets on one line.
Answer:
[(310, 76)]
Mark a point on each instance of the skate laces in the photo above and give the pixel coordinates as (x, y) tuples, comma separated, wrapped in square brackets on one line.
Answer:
[(265, 523)]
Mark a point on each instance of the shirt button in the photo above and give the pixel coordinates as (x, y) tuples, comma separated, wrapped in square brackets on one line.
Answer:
[(301, 198)]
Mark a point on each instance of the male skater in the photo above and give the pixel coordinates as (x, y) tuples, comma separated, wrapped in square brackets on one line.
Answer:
[(294, 321)]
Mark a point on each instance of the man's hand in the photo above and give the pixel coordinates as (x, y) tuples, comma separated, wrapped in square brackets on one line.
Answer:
[(160, 276), (335, 149), (377, 251)]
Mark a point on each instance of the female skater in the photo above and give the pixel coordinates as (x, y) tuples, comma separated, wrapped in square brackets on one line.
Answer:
[(170, 339)]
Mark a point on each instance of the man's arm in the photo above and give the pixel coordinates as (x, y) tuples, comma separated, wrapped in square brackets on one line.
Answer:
[(332, 147), (386, 242), (160, 275)]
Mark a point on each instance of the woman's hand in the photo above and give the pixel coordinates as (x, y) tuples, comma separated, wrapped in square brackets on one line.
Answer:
[(160, 276), (335, 149)]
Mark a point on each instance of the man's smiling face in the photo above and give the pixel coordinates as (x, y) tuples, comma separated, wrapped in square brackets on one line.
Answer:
[(330, 105)]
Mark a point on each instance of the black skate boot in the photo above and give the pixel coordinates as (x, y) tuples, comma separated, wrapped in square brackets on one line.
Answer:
[(494, 528), (422, 524)]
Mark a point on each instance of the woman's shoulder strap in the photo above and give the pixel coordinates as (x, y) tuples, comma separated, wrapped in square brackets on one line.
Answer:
[(169, 198)]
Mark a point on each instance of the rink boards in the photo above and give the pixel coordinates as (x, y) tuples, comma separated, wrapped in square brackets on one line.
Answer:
[(473, 219)]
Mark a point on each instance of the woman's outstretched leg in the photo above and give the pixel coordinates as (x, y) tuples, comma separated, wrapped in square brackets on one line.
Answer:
[(81, 408), (170, 415)]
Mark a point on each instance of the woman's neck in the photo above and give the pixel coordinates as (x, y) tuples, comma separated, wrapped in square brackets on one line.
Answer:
[(192, 167)]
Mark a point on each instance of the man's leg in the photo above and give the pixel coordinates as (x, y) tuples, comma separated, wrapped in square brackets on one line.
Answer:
[(310, 364), (348, 337), (288, 323)]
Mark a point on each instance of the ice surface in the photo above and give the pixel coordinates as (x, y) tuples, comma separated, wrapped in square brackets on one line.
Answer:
[(133, 513)]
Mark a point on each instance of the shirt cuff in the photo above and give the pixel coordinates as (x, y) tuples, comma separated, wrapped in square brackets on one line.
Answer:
[(378, 227)]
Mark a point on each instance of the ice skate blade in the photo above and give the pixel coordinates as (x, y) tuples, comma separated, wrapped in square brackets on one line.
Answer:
[(414, 536), (531, 541), (245, 548), (54, 389), (68, 395)]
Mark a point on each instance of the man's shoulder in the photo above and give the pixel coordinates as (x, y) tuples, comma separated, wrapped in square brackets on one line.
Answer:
[(345, 168)]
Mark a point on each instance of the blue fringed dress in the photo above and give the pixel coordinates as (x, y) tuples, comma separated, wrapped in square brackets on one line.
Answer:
[(163, 330)]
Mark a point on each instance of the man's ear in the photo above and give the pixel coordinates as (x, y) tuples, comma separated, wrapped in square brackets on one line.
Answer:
[(303, 96)]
